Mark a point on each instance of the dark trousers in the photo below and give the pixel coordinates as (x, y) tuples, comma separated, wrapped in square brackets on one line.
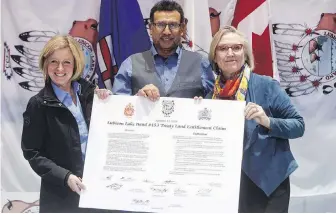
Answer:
[(253, 200)]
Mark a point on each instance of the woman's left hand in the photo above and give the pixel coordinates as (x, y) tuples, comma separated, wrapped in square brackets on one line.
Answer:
[(198, 99), (102, 93), (257, 113)]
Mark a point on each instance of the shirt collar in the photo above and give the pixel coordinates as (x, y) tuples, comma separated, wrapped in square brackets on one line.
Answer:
[(155, 53), (61, 94)]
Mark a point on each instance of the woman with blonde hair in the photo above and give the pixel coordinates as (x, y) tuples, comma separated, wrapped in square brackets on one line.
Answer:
[(271, 120), (56, 123)]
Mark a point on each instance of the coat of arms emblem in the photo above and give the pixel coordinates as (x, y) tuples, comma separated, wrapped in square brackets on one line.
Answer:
[(204, 114), (167, 107), (129, 110)]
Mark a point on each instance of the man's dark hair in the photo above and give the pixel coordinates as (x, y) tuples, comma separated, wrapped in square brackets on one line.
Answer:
[(166, 5)]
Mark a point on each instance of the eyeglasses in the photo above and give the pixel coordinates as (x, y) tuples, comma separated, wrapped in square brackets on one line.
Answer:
[(172, 26), (236, 48), (55, 63)]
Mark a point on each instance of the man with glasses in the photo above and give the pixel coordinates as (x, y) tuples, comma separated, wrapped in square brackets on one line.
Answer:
[(166, 69)]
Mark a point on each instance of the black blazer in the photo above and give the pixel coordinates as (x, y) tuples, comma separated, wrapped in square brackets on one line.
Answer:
[(51, 144)]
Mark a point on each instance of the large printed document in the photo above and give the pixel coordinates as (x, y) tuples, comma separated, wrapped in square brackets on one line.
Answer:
[(172, 155)]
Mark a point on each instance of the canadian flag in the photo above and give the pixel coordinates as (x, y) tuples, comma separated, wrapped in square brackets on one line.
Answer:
[(252, 18)]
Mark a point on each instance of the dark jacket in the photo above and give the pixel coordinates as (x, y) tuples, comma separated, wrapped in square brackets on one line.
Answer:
[(267, 158), (51, 144)]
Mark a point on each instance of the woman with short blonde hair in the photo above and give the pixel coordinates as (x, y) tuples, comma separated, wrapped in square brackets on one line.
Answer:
[(56, 122), (60, 42)]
